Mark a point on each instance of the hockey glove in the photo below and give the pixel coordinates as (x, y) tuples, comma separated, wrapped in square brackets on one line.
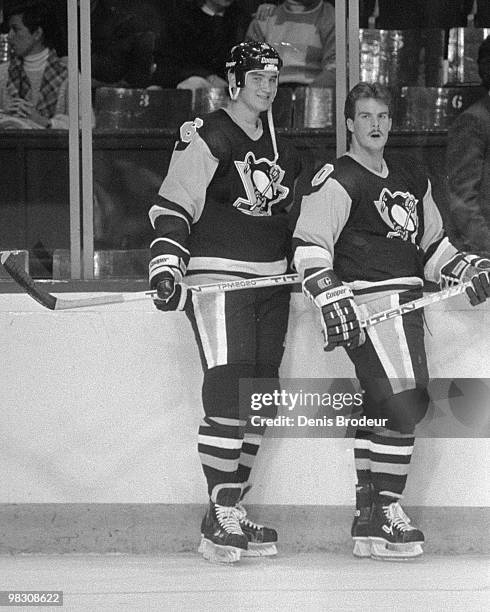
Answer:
[(340, 320), (467, 267), (170, 295)]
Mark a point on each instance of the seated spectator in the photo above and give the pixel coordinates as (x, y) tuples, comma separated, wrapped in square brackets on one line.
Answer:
[(122, 45), (33, 84), (468, 166), (200, 34), (303, 32)]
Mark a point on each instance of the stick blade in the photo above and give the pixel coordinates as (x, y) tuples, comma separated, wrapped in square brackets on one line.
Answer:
[(25, 281)]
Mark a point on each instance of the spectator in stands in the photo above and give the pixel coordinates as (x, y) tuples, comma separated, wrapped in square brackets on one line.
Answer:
[(468, 165), (33, 84), (200, 34), (122, 45), (303, 32)]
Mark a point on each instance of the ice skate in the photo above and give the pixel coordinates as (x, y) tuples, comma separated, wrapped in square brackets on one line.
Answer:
[(361, 523), (222, 538), (261, 540), (391, 534)]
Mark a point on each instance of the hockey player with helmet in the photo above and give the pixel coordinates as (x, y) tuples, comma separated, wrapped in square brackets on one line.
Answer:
[(369, 233), (223, 213)]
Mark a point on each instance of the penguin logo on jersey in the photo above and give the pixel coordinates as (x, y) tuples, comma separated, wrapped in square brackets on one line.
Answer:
[(262, 182), (399, 211)]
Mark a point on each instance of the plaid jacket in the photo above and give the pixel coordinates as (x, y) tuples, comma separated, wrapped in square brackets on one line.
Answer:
[(54, 76)]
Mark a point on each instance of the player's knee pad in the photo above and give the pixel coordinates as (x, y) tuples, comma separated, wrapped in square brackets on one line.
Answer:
[(404, 410), (221, 389)]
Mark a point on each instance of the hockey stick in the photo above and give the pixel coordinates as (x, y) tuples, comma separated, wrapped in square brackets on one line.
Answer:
[(48, 300), (432, 298)]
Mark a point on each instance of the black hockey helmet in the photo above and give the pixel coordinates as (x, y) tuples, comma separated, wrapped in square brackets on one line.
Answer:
[(252, 55)]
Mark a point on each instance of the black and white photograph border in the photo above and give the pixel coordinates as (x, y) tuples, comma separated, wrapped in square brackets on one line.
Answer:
[(101, 488)]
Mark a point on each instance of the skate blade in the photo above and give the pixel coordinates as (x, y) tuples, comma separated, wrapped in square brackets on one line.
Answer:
[(362, 548), (267, 549), (219, 554), (384, 551)]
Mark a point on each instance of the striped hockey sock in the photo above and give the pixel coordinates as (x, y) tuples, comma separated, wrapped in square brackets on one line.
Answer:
[(250, 448), (220, 445), (362, 461), (390, 453)]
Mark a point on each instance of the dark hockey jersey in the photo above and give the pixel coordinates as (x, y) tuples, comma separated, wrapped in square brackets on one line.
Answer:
[(376, 230), (223, 206)]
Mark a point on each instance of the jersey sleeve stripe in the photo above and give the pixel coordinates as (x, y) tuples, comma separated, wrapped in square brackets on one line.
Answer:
[(172, 236), (165, 242), (167, 208), (432, 249), (436, 258), (311, 256)]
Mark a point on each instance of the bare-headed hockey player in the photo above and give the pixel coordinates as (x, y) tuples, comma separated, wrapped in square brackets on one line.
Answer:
[(368, 235), (223, 214)]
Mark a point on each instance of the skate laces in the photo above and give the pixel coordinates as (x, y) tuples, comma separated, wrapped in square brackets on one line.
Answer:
[(395, 514), (228, 518), (242, 517)]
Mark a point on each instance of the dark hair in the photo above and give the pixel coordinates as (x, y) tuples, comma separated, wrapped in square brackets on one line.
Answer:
[(37, 14), (484, 62), (365, 90)]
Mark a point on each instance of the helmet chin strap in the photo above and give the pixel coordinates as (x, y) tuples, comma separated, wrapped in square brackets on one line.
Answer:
[(234, 90), (270, 121)]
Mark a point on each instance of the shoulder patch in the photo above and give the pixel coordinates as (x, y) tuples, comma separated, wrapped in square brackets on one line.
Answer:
[(189, 128), (322, 175)]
